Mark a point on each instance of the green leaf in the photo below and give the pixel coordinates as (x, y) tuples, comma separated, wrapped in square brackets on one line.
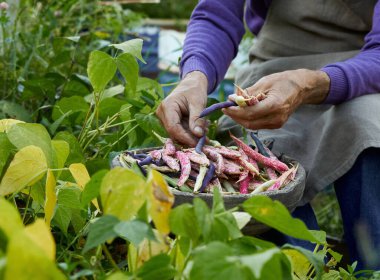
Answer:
[(133, 47), (122, 192), (62, 218), (13, 110), (75, 154), (100, 231), (108, 93), (109, 107), (69, 197), (182, 220), (275, 215), (118, 276), (134, 231), (129, 68), (92, 188), (158, 267), (76, 105), (100, 69), (27, 167), (6, 148), (26, 134)]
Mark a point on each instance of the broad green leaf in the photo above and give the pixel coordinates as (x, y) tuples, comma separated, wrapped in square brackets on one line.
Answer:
[(61, 151), (37, 192), (275, 215), (110, 107), (78, 219), (211, 263), (335, 255), (27, 167), (62, 218), (51, 197), (182, 223), (40, 234), (74, 107), (5, 124), (80, 174), (75, 154), (70, 197), (26, 134), (133, 47), (26, 260), (134, 231), (100, 69), (92, 188), (10, 221), (13, 110), (122, 193), (5, 150), (100, 231), (129, 68), (161, 201), (241, 218), (315, 259), (158, 267), (108, 93)]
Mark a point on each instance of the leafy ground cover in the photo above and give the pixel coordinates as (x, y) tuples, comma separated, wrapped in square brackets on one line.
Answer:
[(70, 95)]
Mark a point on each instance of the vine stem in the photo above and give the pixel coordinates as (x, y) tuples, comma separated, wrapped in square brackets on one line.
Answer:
[(109, 257)]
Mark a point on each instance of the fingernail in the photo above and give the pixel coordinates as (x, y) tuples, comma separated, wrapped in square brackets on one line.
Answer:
[(198, 130)]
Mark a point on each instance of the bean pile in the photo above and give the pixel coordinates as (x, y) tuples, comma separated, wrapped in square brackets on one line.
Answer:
[(240, 169)]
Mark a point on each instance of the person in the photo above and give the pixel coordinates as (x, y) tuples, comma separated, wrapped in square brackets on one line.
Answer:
[(318, 62)]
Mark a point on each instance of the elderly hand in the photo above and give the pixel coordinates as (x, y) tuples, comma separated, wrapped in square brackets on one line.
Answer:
[(285, 91), (179, 112)]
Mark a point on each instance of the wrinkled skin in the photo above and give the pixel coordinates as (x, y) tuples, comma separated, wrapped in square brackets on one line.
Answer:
[(285, 92)]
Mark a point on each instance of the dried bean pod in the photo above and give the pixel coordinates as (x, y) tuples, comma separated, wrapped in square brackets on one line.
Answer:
[(217, 106), (169, 147), (156, 154), (271, 173), (200, 144), (244, 184), (264, 186), (185, 167), (231, 168), (228, 153), (209, 175), (214, 155), (260, 146), (145, 161), (198, 158), (202, 173), (171, 162), (269, 162), (284, 178)]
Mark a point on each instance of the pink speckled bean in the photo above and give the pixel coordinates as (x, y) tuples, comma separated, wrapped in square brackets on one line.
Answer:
[(228, 153), (198, 158), (171, 162), (271, 173), (215, 156), (269, 162), (244, 184), (231, 168), (185, 167), (156, 154), (169, 147)]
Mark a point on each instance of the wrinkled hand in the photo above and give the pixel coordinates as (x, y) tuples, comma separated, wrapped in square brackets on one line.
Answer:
[(285, 92), (179, 112)]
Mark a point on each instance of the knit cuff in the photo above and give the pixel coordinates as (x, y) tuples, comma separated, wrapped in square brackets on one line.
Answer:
[(338, 85)]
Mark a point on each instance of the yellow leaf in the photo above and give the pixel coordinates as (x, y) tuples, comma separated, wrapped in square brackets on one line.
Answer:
[(300, 264), (161, 201), (27, 167), (80, 174), (61, 150), (122, 192), (40, 234), (51, 197), (27, 260), (10, 220), (148, 248), (5, 124)]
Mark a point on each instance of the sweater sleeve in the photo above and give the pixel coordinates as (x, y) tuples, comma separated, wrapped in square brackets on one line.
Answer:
[(213, 35), (359, 75)]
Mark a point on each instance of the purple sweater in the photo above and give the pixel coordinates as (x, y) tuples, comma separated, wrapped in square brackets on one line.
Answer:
[(216, 29)]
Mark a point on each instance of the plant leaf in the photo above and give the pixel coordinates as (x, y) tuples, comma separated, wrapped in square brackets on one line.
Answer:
[(51, 197), (134, 231), (27, 167), (92, 188), (129, 68), (158, 267), (5, 150), (100, 69), (122, 193), (26, 134), (40, 233), (133, 47), (5, 124), (10, 220), (100, 231), (80, 174), (161, 201), (275, 215)]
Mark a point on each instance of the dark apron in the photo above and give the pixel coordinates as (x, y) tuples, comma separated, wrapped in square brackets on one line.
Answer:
[(325, 139)]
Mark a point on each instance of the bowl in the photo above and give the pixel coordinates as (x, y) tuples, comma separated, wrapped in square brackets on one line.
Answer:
[(289, 195)]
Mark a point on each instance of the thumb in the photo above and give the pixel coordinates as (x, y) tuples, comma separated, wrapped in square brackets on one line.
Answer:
[(197, 125)]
